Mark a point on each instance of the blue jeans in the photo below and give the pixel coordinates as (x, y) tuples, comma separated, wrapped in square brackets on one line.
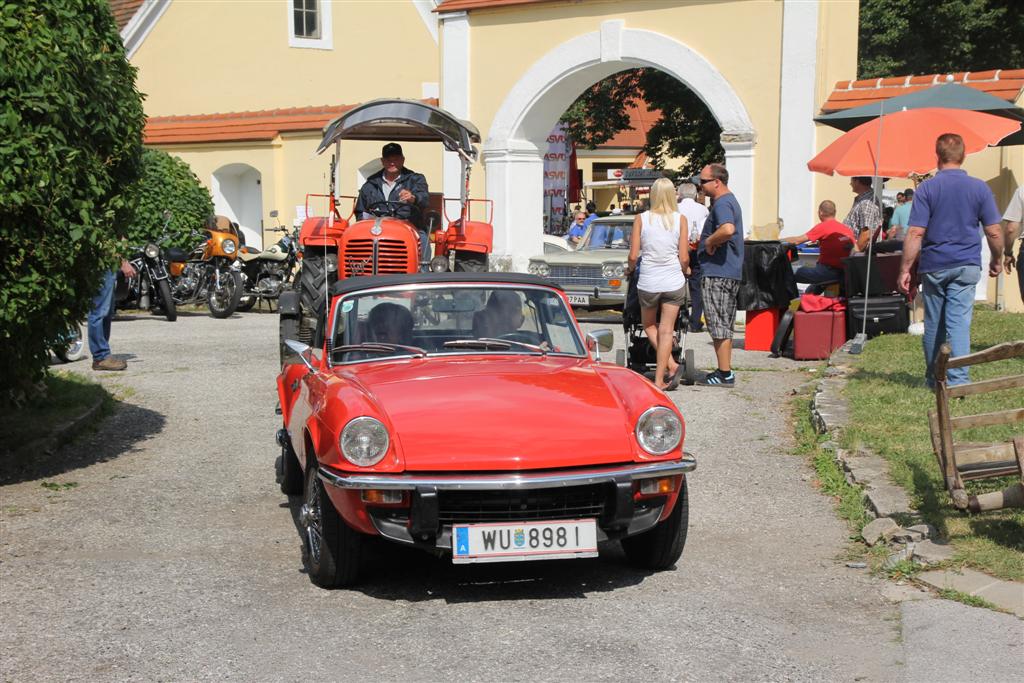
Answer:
[(100, 316), (948, 297), (818, 274)]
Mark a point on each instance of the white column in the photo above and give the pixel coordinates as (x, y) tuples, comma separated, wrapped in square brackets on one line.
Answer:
[(515, 182), (739, 160), (454, 86), (796, 114)]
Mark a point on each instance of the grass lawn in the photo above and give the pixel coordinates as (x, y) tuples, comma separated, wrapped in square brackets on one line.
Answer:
[(67, 396), (889, 415)]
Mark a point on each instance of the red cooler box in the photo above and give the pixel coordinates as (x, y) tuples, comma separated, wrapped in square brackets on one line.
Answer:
[(816, 335), (760, 329)]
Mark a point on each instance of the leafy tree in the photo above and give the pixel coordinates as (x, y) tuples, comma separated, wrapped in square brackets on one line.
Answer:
[(961, 35), (686, 128), (166, 184), (70, 140)]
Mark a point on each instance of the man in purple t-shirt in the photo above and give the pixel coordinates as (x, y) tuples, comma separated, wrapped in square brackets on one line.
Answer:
[(944, 233)]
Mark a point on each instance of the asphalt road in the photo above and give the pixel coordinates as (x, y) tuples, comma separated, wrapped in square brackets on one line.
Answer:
[(175, 557)]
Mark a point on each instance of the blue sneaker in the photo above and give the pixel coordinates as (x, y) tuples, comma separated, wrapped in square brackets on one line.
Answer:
[(717, 378)]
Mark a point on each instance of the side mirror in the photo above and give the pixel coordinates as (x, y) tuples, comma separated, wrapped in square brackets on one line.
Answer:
[(304, 351), (600, 340)]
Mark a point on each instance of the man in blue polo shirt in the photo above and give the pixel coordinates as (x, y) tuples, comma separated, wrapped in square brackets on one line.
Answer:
[(944, 233)]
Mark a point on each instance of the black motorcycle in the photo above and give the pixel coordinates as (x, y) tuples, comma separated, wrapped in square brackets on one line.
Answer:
[(267, 273), (149, 289)]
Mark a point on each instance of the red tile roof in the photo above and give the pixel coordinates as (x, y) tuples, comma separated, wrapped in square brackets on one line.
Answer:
[(241, 126), (123, 11), (641, 118), (1004, 83), (464, 5)]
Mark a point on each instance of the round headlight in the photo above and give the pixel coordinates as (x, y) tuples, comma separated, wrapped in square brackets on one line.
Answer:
[(543, 269), (331, 263), (151, 251), (364, 441), (620, 270), (533, 268), (608, 270), (228, 246), (659, 430), (439, 264)]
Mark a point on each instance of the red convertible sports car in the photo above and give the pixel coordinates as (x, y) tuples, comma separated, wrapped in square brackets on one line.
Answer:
[(462, 413)]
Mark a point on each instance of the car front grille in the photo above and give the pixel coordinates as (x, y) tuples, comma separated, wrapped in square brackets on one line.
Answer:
[(589, 276), (570, 502), (392, 257)]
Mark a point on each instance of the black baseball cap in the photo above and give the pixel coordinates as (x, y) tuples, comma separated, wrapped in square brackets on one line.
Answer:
[(391, 149)]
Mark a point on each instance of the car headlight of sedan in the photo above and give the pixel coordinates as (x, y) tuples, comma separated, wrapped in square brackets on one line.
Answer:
[(364, 441), (659, 430), (539, 268), (228, 246), (610, 270), (151, 250)]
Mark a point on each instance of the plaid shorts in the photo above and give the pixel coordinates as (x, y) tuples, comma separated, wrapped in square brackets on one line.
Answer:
[(719, 296)]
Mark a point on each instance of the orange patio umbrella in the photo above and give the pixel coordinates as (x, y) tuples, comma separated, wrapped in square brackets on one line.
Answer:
[(897, 145)]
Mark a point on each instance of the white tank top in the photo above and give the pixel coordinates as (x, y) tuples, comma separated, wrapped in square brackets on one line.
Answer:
[(659, 252)]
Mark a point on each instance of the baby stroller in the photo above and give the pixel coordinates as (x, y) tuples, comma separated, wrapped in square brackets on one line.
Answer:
[(639, 355)]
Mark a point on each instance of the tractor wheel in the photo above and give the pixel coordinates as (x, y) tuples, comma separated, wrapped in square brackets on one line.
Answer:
[(470, 262)]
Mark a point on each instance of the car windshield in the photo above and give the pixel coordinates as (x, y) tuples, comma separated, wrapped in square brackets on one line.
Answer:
[(452, 320), (607, 235)]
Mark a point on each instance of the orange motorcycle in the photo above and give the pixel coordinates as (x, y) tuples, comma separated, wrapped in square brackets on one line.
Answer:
[(211, 273)]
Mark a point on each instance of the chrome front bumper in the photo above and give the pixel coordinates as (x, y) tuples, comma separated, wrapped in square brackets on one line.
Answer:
[(509, 480)]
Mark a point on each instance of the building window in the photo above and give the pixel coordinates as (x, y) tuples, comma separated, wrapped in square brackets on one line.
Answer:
[(306, 18), (309, 24)]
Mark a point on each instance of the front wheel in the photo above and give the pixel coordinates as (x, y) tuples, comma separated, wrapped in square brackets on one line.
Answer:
[(470, 262), (333, 550), (72, 346), (660, 547), (288, 328), (223, 300), (166, 301)]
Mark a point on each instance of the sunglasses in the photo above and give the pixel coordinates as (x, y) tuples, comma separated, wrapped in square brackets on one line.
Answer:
[(706, 180)]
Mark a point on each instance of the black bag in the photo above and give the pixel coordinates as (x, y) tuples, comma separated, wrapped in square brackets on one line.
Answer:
[(885, 271), (885, 314), (768, 280)]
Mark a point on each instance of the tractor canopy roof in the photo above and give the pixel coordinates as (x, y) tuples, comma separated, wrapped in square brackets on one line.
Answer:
[(395, 120)]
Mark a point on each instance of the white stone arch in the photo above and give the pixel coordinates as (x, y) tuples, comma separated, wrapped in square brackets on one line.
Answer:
[(237, 191), (514, 147)]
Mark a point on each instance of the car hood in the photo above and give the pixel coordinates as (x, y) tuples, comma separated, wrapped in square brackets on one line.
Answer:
[(501, 413)]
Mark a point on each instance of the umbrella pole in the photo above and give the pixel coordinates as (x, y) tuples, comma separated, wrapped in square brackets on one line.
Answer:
[(861, 337)]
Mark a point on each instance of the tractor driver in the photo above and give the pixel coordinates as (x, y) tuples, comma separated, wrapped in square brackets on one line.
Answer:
[(396, 183)]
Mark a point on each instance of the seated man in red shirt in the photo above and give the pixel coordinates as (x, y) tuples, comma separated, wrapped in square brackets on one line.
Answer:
[(835, 241)]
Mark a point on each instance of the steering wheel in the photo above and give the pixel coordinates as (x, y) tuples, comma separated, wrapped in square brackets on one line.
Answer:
[(389, 208)]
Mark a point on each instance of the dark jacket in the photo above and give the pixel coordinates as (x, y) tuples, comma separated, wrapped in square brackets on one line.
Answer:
[(372, 191)]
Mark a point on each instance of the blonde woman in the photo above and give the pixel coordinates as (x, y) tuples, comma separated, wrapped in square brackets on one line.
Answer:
[(660, 238)]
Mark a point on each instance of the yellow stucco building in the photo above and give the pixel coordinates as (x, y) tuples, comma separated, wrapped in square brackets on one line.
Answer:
[(280, 69)]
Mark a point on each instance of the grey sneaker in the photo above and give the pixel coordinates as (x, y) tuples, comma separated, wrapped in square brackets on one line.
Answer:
[(109, 363)]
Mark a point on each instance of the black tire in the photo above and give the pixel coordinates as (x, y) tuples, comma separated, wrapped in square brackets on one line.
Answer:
[(246, 303), (661, 547), (224, 303), (782, 334), (167, 305), (291, 471), (287, 328), (313, 283), (690, 369), (333, 550), (470, 262)]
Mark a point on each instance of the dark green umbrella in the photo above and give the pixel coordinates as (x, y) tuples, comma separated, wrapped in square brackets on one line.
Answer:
[(947, 96)]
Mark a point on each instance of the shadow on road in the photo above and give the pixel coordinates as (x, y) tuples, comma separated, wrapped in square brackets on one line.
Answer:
[(394, 572), (115, 437)]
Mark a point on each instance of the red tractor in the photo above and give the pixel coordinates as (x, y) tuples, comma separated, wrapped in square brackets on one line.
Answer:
[(336, 246)]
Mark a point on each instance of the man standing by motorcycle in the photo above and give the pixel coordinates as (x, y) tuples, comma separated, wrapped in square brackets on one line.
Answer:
[(100, 317), (396, 184)]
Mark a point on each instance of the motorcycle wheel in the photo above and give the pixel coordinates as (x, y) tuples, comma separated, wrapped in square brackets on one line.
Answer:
[(74, 349), (167, 305), (246, 303), (223, 301)]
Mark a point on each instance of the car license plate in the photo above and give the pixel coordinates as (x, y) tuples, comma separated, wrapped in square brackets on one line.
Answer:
[(516, 541), (579, 299)]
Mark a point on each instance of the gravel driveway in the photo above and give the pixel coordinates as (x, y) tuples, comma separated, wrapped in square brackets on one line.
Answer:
[(176, 557)]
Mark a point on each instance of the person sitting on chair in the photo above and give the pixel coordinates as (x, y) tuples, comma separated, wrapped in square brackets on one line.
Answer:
[(835, 241), (503, 314), (399, 185), (390, 324)]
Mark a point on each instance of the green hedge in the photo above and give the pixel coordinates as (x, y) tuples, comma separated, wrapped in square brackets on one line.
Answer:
[(70, 141), (167, 184)]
